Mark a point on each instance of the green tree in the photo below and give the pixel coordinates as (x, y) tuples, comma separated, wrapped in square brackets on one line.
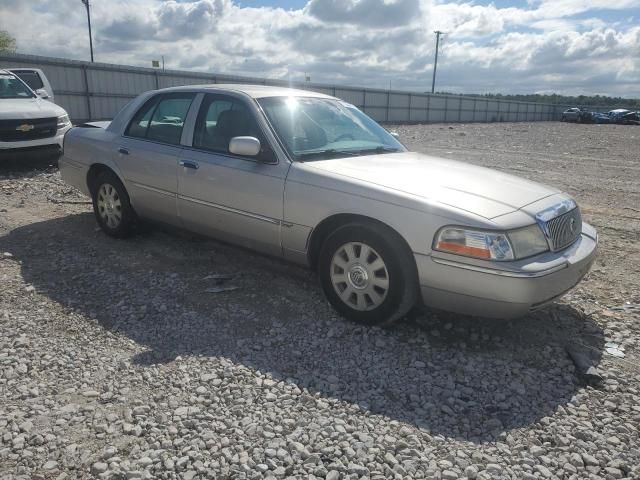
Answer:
[(7, 42)]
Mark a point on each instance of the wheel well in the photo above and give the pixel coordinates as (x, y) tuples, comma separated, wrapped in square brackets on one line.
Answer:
[(330, 224), (95, 170)]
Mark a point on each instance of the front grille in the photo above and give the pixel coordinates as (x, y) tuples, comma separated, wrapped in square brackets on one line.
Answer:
[(564, 229), (11, 131)]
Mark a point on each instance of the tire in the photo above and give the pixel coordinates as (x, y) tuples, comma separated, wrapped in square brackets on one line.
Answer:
[(111, 205), (368, 273)]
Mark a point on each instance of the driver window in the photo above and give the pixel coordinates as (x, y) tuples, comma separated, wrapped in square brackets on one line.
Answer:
[(222, 118)]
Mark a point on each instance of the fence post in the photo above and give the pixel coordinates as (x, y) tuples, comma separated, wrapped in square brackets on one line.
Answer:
[(473, 117), (155, 74), (388, 102), (428, 107), (87, 95), (446, 108), (409, 110)]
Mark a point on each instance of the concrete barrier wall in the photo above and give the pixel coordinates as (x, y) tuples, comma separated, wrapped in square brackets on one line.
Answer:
[(96, 91)]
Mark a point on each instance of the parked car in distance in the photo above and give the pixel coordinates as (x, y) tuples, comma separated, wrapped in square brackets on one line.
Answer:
[(597, 117), (622, 116), (574, 114), (310, 178), (27, 122), (37, 81)]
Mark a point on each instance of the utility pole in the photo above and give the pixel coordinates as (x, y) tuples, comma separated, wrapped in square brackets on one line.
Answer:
[(435, 63), (86, 4)]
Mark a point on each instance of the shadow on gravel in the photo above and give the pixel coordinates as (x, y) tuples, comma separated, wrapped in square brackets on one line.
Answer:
[(23, 164), (453, 376)]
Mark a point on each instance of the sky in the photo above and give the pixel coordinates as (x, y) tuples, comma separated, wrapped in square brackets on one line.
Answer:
[(568, 47)]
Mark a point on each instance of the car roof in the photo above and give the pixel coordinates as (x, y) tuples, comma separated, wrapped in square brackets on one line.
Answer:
[(254, 91)]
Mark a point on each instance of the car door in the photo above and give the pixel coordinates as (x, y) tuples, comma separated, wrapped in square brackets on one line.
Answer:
[(231, 197), (147, 155)]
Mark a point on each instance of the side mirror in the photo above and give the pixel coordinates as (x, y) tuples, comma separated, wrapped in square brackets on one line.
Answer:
[(42, 93), (245, 146)]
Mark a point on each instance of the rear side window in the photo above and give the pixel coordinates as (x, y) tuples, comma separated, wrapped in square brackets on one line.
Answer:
[(140, 123), (161, 118), (30, 78)]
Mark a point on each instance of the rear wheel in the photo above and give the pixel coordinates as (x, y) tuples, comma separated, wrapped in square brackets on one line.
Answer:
[(368, 274), (111, 205)]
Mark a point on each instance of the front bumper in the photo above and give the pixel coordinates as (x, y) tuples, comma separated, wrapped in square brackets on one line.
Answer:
[(56, 142), (504, 289)]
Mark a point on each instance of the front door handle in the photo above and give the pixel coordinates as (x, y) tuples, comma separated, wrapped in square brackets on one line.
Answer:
[(123, 151), (188, 164)]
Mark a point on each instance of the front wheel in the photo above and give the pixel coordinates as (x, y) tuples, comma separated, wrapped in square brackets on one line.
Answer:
[(368, 274)]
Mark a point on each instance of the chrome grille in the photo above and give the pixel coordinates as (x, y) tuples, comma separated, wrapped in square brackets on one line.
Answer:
[(564, 229)]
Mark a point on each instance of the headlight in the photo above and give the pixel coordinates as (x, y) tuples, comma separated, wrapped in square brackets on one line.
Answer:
[(491, 245), (63, 121), (528, 241), (486, 245)]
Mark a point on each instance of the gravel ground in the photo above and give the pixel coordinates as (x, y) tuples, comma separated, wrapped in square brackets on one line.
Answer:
[(116, 363)]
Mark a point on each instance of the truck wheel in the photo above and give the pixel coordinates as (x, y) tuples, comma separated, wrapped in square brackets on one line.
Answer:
[(368, 274), (111, 205)]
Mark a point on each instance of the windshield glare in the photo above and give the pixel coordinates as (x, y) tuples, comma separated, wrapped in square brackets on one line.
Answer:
[(313, 127), (12, 87)]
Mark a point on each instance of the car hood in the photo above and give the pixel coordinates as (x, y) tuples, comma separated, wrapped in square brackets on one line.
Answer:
[(26, 108), (475, 189)]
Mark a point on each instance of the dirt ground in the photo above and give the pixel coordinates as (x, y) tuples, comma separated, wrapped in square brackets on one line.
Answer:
[(115, 346)]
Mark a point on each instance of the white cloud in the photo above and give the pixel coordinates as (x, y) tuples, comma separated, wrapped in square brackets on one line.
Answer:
[(542, 47)]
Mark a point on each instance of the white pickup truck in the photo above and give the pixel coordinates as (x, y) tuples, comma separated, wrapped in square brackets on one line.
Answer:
[(28, 122)]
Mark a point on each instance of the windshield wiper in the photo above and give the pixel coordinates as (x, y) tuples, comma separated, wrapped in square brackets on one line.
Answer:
[(330, 152), (378, 149)]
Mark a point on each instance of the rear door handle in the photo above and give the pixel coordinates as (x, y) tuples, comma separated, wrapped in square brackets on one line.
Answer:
[(123, 151), (188, 164)]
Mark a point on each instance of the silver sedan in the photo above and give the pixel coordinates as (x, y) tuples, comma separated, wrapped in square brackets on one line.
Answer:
[(310, 178)]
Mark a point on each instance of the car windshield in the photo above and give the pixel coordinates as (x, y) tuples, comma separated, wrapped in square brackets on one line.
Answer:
[(319, 128), (13, 87)]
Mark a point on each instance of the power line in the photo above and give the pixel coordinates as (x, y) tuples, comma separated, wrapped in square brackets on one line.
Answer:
[(435, 63)]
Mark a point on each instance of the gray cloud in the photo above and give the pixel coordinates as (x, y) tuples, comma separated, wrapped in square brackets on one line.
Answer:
[(131, 28), (370, 13), (540, 47), (190, 19)]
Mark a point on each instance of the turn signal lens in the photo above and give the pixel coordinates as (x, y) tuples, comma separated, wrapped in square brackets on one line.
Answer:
[(474, 243)]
